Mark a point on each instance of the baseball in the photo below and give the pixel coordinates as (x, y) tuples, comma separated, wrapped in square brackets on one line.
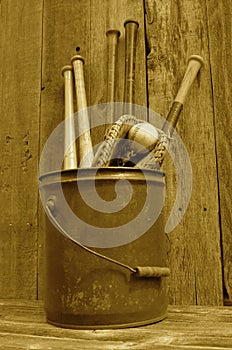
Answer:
[(145, 134)]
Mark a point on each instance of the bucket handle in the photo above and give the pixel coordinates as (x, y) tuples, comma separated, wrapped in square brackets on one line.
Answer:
[(138, 271)]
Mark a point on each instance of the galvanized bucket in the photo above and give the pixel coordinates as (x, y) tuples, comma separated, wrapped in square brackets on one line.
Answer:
[(86, 291)]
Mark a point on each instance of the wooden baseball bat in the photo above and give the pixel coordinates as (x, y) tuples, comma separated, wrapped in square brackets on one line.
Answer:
[(85, 143), (70, 158), (131, 28), (195, 62), (112, 35)]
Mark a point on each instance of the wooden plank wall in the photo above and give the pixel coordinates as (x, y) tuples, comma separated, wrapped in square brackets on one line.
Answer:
[(21, 40), (220, 46), (176, 30), (38, 38)]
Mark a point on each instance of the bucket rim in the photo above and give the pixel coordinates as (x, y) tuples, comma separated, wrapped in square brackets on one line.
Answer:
[(103, 173)]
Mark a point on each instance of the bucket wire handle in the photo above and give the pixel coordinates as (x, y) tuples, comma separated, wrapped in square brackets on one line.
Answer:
[(139, 271)]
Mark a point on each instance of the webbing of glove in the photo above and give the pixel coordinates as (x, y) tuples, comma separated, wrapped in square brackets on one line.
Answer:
[(152, 271)]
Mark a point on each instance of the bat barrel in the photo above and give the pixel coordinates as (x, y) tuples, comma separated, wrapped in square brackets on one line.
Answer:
[(131, 28), (112, 35), (85, 143), (158, 153), (70, 158), (195, 63)]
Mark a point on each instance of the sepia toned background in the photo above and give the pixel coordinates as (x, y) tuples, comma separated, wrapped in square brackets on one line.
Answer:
[(37, 39)]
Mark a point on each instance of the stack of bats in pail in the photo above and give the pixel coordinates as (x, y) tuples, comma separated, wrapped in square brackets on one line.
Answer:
[(111, 152)]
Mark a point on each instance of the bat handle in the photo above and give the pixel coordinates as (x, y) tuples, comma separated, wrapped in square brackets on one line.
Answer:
[(195, 63), (70, 158), (112, 35), (85, 143), (131, 28)]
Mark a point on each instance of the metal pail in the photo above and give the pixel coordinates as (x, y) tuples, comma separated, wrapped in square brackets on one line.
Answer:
[(86, 291)]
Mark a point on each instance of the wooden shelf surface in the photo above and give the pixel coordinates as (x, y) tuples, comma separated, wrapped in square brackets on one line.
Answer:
[(23, 326)]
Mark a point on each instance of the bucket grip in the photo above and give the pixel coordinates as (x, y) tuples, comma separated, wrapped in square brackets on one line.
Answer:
[(152, 271), (139, 271)]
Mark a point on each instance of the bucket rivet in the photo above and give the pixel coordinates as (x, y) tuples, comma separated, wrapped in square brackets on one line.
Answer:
[(51, 203)]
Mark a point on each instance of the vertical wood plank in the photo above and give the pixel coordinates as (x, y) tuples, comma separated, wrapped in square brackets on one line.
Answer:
[(176, 30), (21, 24), (220, 43), (66, 27)]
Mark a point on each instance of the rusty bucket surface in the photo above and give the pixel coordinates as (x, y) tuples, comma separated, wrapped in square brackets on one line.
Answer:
[(84, 291)]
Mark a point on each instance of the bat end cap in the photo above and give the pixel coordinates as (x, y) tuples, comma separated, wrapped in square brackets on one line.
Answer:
[(131, 20), (197, 58), (66, 68), (77, 57), (113, 31)]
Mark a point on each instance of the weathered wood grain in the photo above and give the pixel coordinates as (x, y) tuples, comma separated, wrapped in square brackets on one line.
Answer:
[(23, 326), (21, 24), (66, 26), (177, 30), (220, 44)]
